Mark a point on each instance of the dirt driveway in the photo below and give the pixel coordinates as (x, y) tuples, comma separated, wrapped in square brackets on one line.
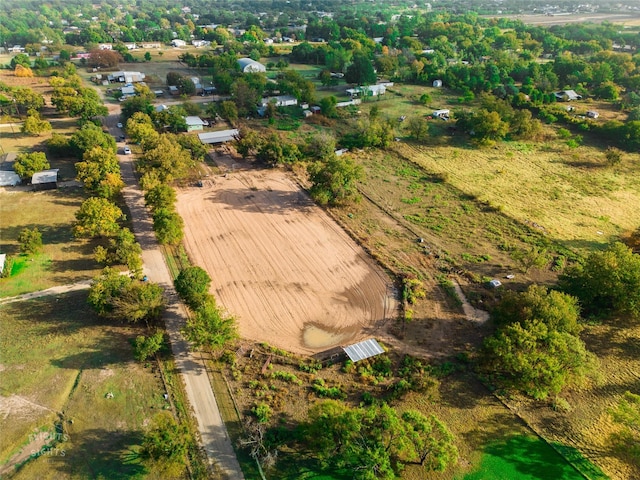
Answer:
[(280, 265)]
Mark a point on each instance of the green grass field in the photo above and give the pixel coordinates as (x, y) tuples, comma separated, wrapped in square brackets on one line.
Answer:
[(524, 458), (59, 362), (63, 259)]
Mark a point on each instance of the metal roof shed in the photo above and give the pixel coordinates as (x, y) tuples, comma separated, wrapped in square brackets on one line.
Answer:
[(46, 179), (361, 350), (9, 179), (220, 136)]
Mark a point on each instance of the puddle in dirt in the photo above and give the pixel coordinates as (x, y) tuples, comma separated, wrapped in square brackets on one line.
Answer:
[(316, 337)]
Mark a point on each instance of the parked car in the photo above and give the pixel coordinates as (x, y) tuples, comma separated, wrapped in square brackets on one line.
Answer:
[(127, 151), (119, 125)]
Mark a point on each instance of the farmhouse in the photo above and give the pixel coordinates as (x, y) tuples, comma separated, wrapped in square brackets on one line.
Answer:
[(248, 65), (280, 101), (371, 90), (45, 180), (126, 77), (194, 123), (567, 95), (220, 136)]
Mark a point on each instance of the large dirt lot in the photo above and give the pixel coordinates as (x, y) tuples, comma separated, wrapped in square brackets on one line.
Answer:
[(289, 274)]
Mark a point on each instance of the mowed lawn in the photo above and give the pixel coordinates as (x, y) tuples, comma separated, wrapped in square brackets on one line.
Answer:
[(524, 458), (59, 362)]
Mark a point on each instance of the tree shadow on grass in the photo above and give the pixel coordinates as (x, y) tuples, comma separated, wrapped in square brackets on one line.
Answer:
[(111, 348), (99, 453), (51, 234), (498, 426)]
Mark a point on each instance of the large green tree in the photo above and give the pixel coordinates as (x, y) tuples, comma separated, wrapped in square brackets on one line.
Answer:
[(99, 170), (557, 310), (431, 443), (122, 249), (210, 327), (192, 284), (97, 217), (361, 71), (168, 226), (122, 298), (334, 180), (89, 136), (27, 164), (536, 359), (607, 281), (167, 158), (374, 442)]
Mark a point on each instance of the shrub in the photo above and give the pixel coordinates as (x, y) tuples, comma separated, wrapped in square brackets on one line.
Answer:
[(30, 241), (286, 377), (145, 347), (327, 392), (262, 411)]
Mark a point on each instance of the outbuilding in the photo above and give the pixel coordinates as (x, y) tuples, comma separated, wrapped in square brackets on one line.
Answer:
[(221, 136), (248, 65), (9, 179), (194, 123), (45, 180), (444, 113)]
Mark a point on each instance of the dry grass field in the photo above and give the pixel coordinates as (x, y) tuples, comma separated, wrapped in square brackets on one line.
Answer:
[(569, 193), (288, 273), (59, 361), (626, 19)]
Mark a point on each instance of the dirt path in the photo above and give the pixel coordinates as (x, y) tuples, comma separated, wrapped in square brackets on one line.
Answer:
[(213, 433), (58, 290), (472, 314)]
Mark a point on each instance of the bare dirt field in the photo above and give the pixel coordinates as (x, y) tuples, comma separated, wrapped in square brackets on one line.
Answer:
[(289, 274)]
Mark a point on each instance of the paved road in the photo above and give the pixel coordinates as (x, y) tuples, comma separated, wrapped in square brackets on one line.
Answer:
[(213, 432)]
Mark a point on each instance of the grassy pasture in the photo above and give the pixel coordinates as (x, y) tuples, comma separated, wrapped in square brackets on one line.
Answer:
[(63, 259), (59, 362), (569, 193)]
